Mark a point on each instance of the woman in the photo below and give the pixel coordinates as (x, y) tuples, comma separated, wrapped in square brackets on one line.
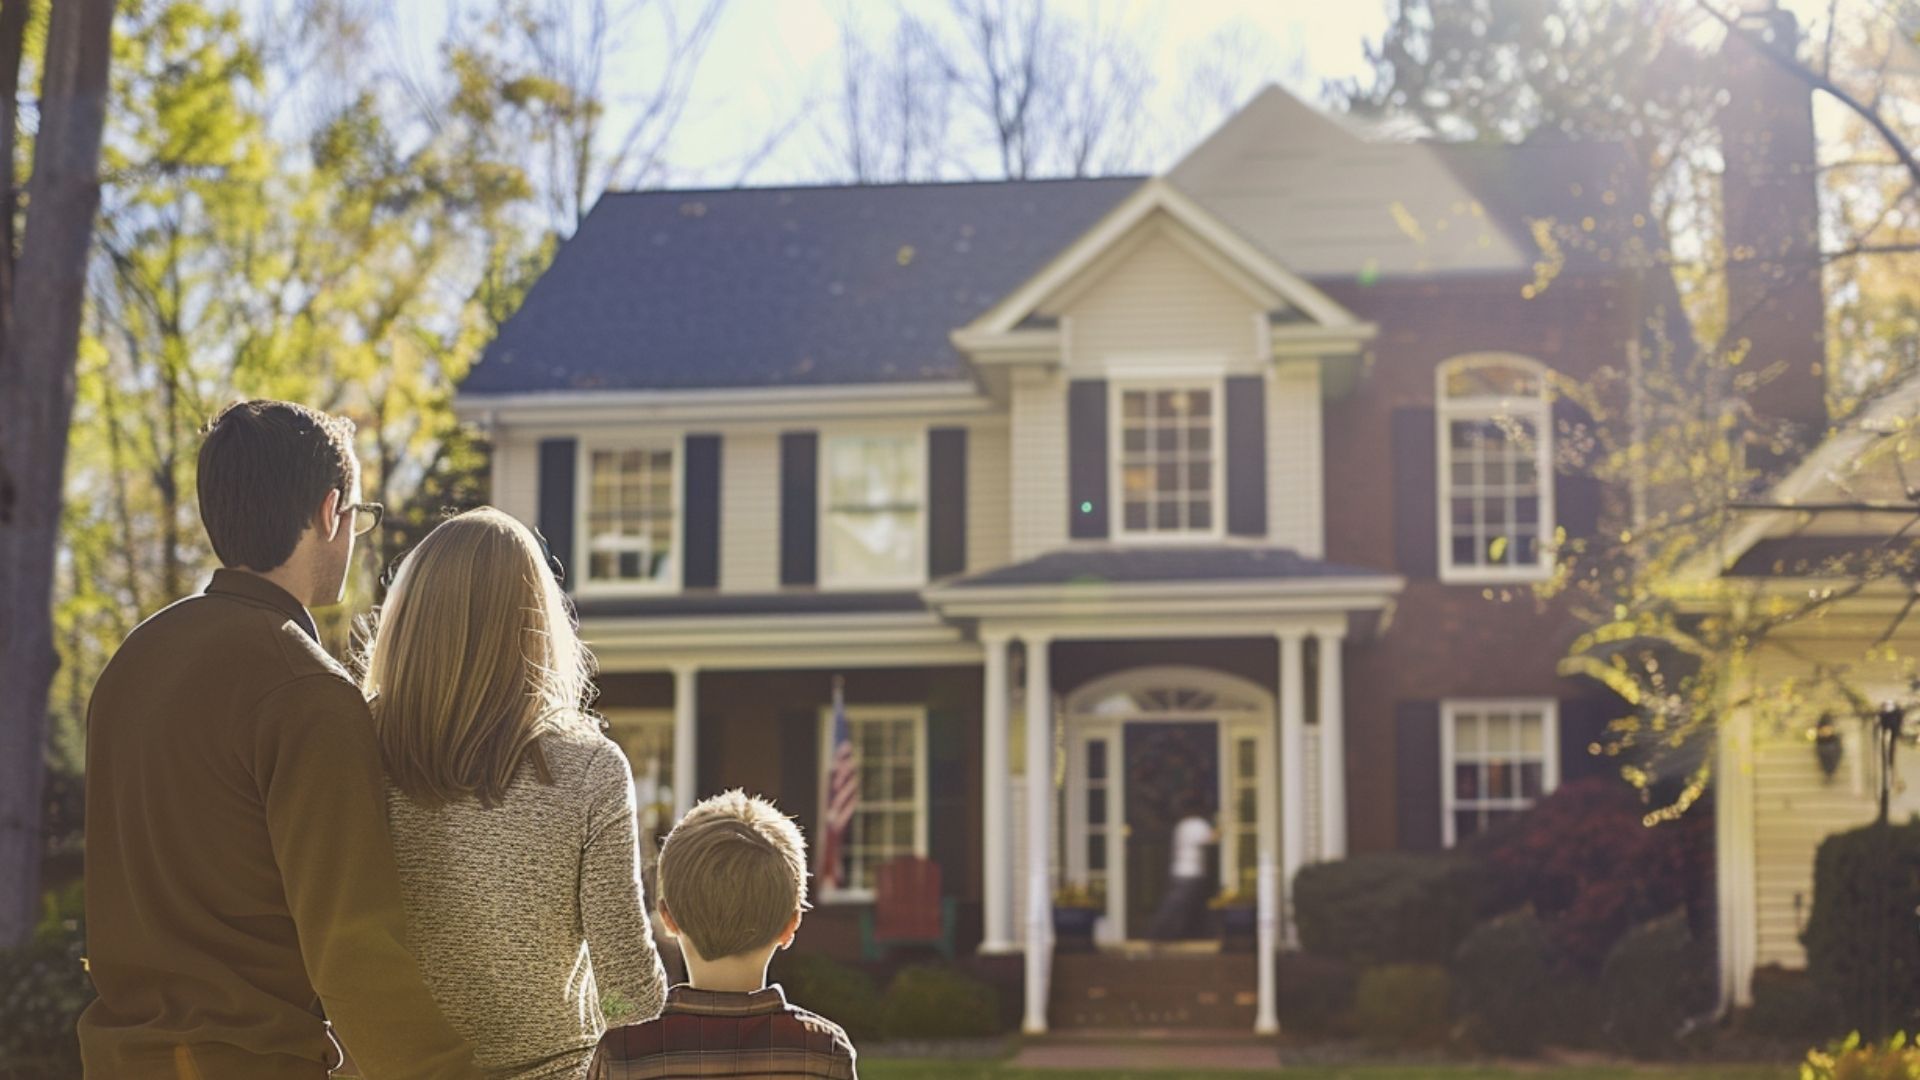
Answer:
[(512, 816)]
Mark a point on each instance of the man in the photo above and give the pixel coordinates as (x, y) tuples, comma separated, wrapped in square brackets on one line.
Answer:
[(238, 864), (1187, 885)]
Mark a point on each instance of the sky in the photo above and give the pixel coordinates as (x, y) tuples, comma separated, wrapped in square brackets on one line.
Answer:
[(769, 59)]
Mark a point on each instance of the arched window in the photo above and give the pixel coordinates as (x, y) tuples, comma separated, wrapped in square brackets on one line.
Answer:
[(1495, 472)]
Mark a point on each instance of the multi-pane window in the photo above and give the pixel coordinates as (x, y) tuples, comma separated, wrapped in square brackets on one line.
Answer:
[(874, 498), (890, 818), (1496, 477), (630, 516), (1499, 758), (1099, 823), (646, 736), (1244, 791), (1168, 461)]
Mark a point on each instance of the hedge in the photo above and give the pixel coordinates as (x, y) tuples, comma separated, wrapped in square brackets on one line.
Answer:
[(1863, 945), (1396, 907)]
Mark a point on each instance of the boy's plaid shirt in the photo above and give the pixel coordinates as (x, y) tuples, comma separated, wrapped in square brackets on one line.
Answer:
[(717, 1035)]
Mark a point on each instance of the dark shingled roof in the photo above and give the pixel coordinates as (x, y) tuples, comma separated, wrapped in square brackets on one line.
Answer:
[(1819, 555), (1586, 194), (696, 604), (1172, 563), (782, 286)]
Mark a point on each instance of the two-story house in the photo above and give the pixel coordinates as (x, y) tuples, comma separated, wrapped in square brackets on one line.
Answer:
[(1095, 494)]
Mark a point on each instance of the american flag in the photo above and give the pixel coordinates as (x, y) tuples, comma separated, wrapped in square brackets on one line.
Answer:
[(843, 794)]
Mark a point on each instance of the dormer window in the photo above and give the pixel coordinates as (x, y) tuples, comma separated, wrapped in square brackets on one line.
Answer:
[(1167, 460), (1496, 469)]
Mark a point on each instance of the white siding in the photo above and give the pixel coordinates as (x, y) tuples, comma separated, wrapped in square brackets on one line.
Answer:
[(1161, 299), (1039, 464), (750, 512), (1795, 808), (516, 477), (1295, 477), (989, 498)]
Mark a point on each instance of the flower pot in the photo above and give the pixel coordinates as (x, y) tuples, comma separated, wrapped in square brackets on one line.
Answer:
[(1073, 929), (1238, 928)]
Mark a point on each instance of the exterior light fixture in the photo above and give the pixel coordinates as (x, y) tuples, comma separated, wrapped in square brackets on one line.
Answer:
[(1826, 745)]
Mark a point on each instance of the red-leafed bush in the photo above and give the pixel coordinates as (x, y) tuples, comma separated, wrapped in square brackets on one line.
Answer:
[(1592, 870)]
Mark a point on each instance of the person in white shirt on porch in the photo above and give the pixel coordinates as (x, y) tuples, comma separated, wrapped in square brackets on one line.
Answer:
[(1187, 890)]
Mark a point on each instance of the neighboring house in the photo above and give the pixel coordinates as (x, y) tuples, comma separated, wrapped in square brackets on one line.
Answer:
[(1095, 492)]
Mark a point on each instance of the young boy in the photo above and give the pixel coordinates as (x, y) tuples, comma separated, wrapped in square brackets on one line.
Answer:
[(732, 886)]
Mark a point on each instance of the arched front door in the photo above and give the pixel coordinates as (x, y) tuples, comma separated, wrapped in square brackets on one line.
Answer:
[(1140, 745)]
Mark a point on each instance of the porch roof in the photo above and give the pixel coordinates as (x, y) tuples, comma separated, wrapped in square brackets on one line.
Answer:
[(1169, 563)]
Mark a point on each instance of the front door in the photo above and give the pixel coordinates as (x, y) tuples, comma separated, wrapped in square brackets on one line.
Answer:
[(1171, 769)]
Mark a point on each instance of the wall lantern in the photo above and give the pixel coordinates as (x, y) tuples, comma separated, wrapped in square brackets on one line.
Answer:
[(1826, 745)]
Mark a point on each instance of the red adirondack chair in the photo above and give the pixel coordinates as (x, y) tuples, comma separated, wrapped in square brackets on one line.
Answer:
[(908, 908)]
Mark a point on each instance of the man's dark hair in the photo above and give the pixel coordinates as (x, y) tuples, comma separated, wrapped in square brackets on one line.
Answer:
[(264, 467)]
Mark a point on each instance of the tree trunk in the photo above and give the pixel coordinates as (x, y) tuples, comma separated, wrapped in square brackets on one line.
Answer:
[(36, 407)]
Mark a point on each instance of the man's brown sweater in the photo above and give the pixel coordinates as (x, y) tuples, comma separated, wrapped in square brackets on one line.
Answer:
[(238, 861)]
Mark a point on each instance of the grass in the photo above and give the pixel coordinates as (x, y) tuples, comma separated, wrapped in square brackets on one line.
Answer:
[(900, 1069)]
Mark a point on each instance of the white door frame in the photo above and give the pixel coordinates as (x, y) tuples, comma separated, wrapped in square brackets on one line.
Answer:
[(1244, 710)]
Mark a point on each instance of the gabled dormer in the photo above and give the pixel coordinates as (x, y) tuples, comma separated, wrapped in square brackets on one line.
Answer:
[(1164, 383)]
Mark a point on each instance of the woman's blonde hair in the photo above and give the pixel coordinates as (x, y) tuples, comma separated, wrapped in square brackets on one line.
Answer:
[(474, 658)]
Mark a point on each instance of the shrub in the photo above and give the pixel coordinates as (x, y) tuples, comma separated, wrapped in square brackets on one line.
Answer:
[(1656, 980), (1861, 947), (43, 988), (1403, 1004), (1789, 1005), (1314, 993), (930, 1002), (1585, 861), (1505, 984), (846, 995), (1388, 908), (1895, 1059)]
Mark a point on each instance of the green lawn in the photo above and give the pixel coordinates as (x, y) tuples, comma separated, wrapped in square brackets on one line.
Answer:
[(899, 1069)]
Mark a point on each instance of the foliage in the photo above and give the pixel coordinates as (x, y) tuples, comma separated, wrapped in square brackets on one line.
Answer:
[(1403, 1004), (1656, 981), (1861, 945), (1788, 1004), (1388, 907), (1314, 993), (932, 1002), (1587, 863), (1507, 984), (43, 988), (1852, 1059), (841, 993)]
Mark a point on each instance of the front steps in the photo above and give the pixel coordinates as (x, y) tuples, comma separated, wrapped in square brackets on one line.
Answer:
[(1153, 994)]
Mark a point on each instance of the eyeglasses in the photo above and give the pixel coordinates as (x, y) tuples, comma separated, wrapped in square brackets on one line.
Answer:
[(370, 513)]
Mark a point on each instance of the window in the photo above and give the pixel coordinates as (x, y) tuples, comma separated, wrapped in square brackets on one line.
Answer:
[(873, 495), (891, 818), (646, 736), (1168, 457), (1244, 821), (1497, 758), (1099, 823), (630, 502), (1496, 470)]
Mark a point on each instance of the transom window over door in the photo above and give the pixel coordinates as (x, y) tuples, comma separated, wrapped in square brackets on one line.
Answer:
[(1496, 469), (872, 527), (1168, 460), (1499, 758), (630, 517)]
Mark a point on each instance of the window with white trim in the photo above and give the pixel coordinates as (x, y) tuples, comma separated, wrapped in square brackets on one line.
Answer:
[(1168, 460), (1496, 469), (890, 819), (873, 509), (646, 737), (631, 525), (1497, 759)]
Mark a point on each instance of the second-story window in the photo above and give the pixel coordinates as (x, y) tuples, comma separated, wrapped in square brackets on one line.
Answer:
[(1169, 451), (1496, 472), (873, 521), (630, 517)]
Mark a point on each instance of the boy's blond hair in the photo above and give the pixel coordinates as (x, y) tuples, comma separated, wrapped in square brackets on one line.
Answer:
[(733, 871)]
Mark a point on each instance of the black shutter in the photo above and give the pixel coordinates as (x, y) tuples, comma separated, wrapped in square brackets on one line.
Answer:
[(701, 567), (1416, 508), (800, 771), (1416, 776), (1576, 491), (1246, 455), (947, 819), (946, 502), (1087, 459), (1583, 722), (557, 461), (799, 508)]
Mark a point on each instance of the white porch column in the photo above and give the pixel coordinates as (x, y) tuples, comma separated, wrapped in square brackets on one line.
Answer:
[(1039, 831), (1333, 754), (686, 744), (1266, 1017), (1293, 770), (997, 836)]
